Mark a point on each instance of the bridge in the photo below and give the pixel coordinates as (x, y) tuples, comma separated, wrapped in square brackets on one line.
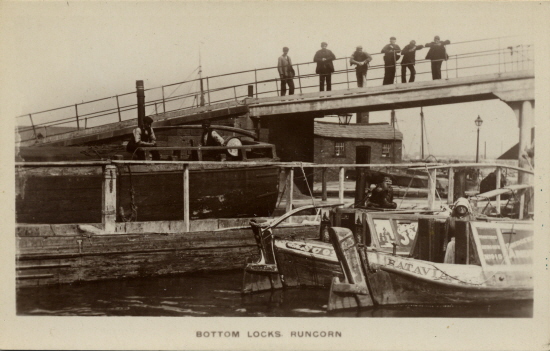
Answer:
[(504, 73)]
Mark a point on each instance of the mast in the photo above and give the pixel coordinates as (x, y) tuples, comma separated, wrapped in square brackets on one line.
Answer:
[(200, 78), (422, 132), (140, 102)]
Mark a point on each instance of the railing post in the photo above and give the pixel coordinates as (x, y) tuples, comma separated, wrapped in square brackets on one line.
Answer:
[(235, 92), (451, 186), (498, 50), (347, 72), (341, 185), (277, 87), (299, 79), (290, 190), (163, 100), (432, 181), (76, 112), (498, 187), (118, 109), (256, 81), (324, 184), (33, 128), (208, 89), (108, 212), (456, 65), (186, 197)]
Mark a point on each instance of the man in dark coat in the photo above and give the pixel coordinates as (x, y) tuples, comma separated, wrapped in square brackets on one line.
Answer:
[(382, 195), (210, 137), (437, 55), (408, 61), (324, 58), (143, 136), (391, 57), (361, 59)]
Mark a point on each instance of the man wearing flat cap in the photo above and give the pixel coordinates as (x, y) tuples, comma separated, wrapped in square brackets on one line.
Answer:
[(437, 54), (286, 72), (408, 61), (361, 59), (324, 58), (391, 56)]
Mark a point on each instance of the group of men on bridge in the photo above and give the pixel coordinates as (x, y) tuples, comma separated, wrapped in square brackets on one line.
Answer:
[(361, 59)]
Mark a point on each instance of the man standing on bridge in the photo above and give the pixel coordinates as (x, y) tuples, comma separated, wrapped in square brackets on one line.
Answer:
[(324, 58), (361, 59), (286, 72), (408, 61), (437, 54), (391, 57)]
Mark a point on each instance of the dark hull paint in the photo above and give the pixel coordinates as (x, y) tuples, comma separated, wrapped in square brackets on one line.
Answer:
[(158, 195)]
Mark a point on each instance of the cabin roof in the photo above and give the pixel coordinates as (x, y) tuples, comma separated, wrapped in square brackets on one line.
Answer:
[(377, 131)]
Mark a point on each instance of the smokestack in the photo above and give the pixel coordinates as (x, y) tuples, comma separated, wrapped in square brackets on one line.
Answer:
[(140, 102)]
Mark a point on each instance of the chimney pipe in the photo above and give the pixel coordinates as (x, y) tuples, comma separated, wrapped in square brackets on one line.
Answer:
[(140, 102)]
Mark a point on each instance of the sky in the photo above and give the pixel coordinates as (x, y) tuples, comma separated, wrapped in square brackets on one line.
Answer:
[(59, 53)]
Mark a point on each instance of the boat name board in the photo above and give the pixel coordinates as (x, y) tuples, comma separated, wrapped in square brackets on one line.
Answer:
[(323, 251)]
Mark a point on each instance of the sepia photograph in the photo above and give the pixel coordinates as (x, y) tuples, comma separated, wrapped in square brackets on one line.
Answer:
[(235, 175)]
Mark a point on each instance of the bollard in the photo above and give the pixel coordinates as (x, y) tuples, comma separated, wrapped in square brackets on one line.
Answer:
[(108, 211)]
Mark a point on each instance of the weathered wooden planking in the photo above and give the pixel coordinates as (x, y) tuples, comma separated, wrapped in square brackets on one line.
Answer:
[(54, 260)]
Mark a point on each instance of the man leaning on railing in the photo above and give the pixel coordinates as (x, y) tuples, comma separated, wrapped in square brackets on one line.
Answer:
[(437, 54)]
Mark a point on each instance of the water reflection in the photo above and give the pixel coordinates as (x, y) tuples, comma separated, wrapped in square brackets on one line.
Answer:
[(216, 294)]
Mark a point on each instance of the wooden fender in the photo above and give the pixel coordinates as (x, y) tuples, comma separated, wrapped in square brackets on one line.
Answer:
[(354, 291)]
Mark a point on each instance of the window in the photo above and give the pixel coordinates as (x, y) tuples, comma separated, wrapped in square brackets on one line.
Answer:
[(386, 149), (339, 149)]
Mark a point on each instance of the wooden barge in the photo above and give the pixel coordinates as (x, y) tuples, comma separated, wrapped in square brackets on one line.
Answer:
[(398, 258)]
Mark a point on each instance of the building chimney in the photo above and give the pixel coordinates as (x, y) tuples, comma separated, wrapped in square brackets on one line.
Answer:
[(140, 102), (362, 117)]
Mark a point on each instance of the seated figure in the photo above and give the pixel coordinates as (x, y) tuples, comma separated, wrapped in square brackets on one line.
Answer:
[(382, 195)]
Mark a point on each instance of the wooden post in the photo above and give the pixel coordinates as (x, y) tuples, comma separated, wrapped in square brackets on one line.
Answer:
[(498, 187), (324, 184), (290, 190), (118, 109), (299, 78), (432, 174), (163, 100), (186, 197), (347, 72), (235, 92), (256, 81), (451, 187), (108, 212), (208, 90), (341, 185), (76, 113)]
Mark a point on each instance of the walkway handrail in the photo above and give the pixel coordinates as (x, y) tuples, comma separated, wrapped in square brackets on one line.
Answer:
[(523, 50)]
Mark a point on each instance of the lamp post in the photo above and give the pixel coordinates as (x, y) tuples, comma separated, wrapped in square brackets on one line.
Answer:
[(478, 122)]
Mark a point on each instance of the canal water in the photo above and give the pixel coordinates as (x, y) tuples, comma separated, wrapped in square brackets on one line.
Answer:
[(214, 295)]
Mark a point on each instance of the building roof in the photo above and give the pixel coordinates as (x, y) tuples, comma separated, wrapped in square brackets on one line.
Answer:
[(511, 154), (377, 131)]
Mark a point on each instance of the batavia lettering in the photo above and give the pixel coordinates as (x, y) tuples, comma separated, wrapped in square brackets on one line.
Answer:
[(315, 334), (426, 271), (218, 334)]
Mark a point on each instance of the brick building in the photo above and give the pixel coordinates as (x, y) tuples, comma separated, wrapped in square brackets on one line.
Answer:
[(356, 143)]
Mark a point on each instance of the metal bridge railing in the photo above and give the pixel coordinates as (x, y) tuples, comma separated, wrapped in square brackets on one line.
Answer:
[(482, 56)]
